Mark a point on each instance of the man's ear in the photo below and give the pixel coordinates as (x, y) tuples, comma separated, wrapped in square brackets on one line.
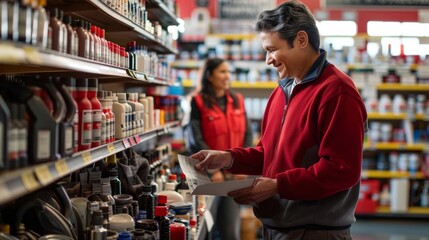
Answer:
[(302, 39)]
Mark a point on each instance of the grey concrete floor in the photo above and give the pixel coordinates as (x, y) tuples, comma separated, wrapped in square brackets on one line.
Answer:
[(392, 229)]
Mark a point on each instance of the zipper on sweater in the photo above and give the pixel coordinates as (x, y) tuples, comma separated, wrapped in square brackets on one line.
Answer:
[(284, 114)]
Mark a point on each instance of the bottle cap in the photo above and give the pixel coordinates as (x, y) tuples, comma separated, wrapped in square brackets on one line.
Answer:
[(162, 199), (93, 83), (113, 173), (172, 177), (182, 176), (147, 188), (161, 211)]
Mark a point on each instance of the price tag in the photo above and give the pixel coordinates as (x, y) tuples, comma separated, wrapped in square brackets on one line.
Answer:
[(137, 138), (111, 148), (29, 181), (43, 174), (126, 143), (86, 156), (62, 167), (132, 141)]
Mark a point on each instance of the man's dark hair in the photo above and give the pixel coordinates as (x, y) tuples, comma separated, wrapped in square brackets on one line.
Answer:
[(288, 19)]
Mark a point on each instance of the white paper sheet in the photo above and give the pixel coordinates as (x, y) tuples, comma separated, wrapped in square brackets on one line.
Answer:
[(200, 183)]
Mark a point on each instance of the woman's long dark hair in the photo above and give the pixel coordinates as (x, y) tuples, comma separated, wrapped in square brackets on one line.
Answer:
[(207, 91)]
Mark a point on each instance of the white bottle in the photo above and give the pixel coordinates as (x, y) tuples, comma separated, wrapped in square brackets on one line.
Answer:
[(122, 99), (135, 118), (385, 104), (151, 112), (143, 100), (139, 113), (120, 118)]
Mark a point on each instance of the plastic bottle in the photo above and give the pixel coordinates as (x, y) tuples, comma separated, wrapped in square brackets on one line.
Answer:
[(13, 141), (97, 231), (67, 126), (183, 188), (133, 115), (24, 21), (124, 236), (72, 39), (146, 203), (97, 44), (39, 34), (145, 103), (164, 223), (193, 229), (22, 136), (177, 231), (96, 112), (105, 127), (85, 115), (83, 45), (87, 28), (109, 96), (103, 43), (136, 109), (115, 183), (149, 225), (71, 86), (4, 125), (120, 118), (57, 33), (150, 112), (63, 28), (122, 99)]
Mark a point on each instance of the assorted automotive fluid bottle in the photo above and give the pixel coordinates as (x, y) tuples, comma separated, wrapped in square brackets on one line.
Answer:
[(164, 223), (4, 125), (71, 86), (146, 203), (67, 126), (85, 115), (96, 112)]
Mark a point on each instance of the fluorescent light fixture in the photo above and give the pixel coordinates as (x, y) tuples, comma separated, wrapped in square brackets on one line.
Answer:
[(339, 43), (415, 29), (378, 28), (337, 28)]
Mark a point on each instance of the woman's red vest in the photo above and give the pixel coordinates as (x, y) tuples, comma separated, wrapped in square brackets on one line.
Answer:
[(223, 130)]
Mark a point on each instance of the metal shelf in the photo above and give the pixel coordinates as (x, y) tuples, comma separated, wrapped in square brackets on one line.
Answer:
[(158, 11), (20, 182), (119, 29), (27, 59), (403, 87), (391, 174), (394, 146)]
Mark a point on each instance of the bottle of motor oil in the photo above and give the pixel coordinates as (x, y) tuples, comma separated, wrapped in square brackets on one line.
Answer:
[(71, 86), (41, 125), (96, 112), (85, 115), (4, 125), (67, 130), (22, 136)]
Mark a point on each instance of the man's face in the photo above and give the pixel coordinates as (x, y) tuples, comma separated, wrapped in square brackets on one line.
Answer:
[(280, 54)]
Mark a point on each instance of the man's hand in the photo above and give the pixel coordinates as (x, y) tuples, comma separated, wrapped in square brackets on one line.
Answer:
[(210, 159), (262, 189)]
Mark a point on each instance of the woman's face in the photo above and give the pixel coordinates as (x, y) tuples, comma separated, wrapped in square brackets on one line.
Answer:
[(220, 77)]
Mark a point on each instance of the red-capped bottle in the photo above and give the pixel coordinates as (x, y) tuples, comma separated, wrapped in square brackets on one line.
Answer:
[(164, 223), (71, 85), (85, 115), (96, 112)]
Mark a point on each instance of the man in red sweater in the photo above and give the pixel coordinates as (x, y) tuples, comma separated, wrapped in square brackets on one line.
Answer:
[(310, 151)]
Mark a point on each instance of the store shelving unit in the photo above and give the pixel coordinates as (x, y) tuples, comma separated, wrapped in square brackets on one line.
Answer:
[(21, 59), (120, 29), (17, 183)]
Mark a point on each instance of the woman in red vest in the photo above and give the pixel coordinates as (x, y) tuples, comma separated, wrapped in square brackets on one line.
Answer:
[(218, 121)]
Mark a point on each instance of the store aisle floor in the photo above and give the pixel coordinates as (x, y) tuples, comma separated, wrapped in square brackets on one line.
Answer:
[(377, 229)]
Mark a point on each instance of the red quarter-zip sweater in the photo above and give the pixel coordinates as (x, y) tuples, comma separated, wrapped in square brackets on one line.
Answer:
[(311, 142)]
